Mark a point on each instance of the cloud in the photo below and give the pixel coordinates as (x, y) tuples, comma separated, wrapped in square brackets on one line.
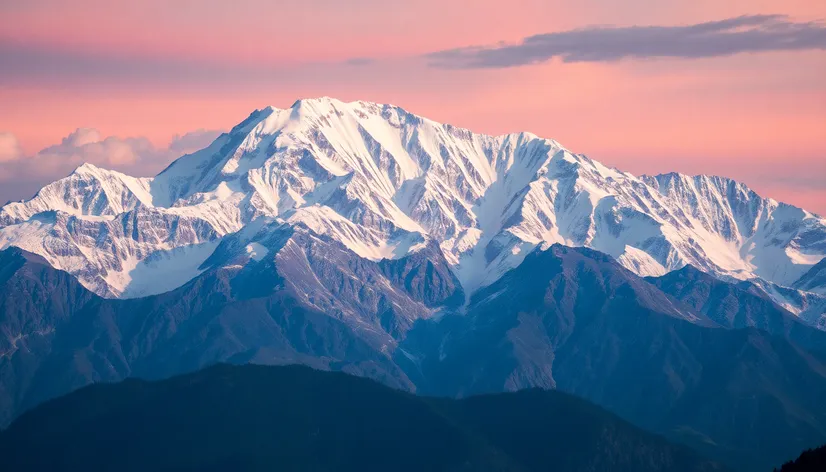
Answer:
[(754, 33), (9, 148), (30, 63), (81, 136), (193, 140), (360, 61), (21, 175), (86, 145)]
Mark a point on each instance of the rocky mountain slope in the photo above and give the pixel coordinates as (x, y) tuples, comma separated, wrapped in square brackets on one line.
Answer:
[(573, 319), (568, 318), (738, 305)]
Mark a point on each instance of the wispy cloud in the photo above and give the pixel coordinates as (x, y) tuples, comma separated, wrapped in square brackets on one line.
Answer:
[(360, 61), (754, 33), (31, 64)]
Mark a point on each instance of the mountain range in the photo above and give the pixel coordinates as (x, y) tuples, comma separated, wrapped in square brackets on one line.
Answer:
[(385, 182), (362, 238)]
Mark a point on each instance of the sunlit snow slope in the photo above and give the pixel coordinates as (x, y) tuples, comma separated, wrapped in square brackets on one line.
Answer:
[(384, 182)]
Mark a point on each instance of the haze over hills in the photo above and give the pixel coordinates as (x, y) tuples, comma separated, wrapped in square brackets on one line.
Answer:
[(385, 182), (361, 238)]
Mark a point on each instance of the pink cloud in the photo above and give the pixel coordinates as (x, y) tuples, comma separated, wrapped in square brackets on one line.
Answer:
[(21, 175), (9, 148), (81, 137)]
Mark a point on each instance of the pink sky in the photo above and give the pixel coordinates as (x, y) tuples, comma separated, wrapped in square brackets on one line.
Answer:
[(160, 68)]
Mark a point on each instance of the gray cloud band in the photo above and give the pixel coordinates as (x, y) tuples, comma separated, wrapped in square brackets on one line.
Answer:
[(755, 33)]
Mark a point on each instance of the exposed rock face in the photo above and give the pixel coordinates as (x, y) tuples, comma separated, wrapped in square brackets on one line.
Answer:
[(575, 320)]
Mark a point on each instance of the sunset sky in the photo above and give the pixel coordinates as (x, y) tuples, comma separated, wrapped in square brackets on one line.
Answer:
[(734, 88)]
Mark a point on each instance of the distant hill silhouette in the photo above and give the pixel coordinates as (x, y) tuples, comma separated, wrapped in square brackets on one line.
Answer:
[(295, 418), (812, 460)]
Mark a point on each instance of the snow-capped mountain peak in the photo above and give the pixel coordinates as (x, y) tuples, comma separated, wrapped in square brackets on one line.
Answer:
[(383, 182)]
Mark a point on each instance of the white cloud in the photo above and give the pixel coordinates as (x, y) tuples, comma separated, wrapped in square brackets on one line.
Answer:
[(21, 175)]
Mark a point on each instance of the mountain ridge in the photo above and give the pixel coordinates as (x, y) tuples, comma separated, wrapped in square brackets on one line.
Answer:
[(383, 182)]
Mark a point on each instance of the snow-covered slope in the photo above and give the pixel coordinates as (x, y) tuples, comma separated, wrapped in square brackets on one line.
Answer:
[(814, 280), (385, 183)]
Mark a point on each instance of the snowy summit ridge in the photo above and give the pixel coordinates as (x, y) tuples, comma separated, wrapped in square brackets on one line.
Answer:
[(385, 182)]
